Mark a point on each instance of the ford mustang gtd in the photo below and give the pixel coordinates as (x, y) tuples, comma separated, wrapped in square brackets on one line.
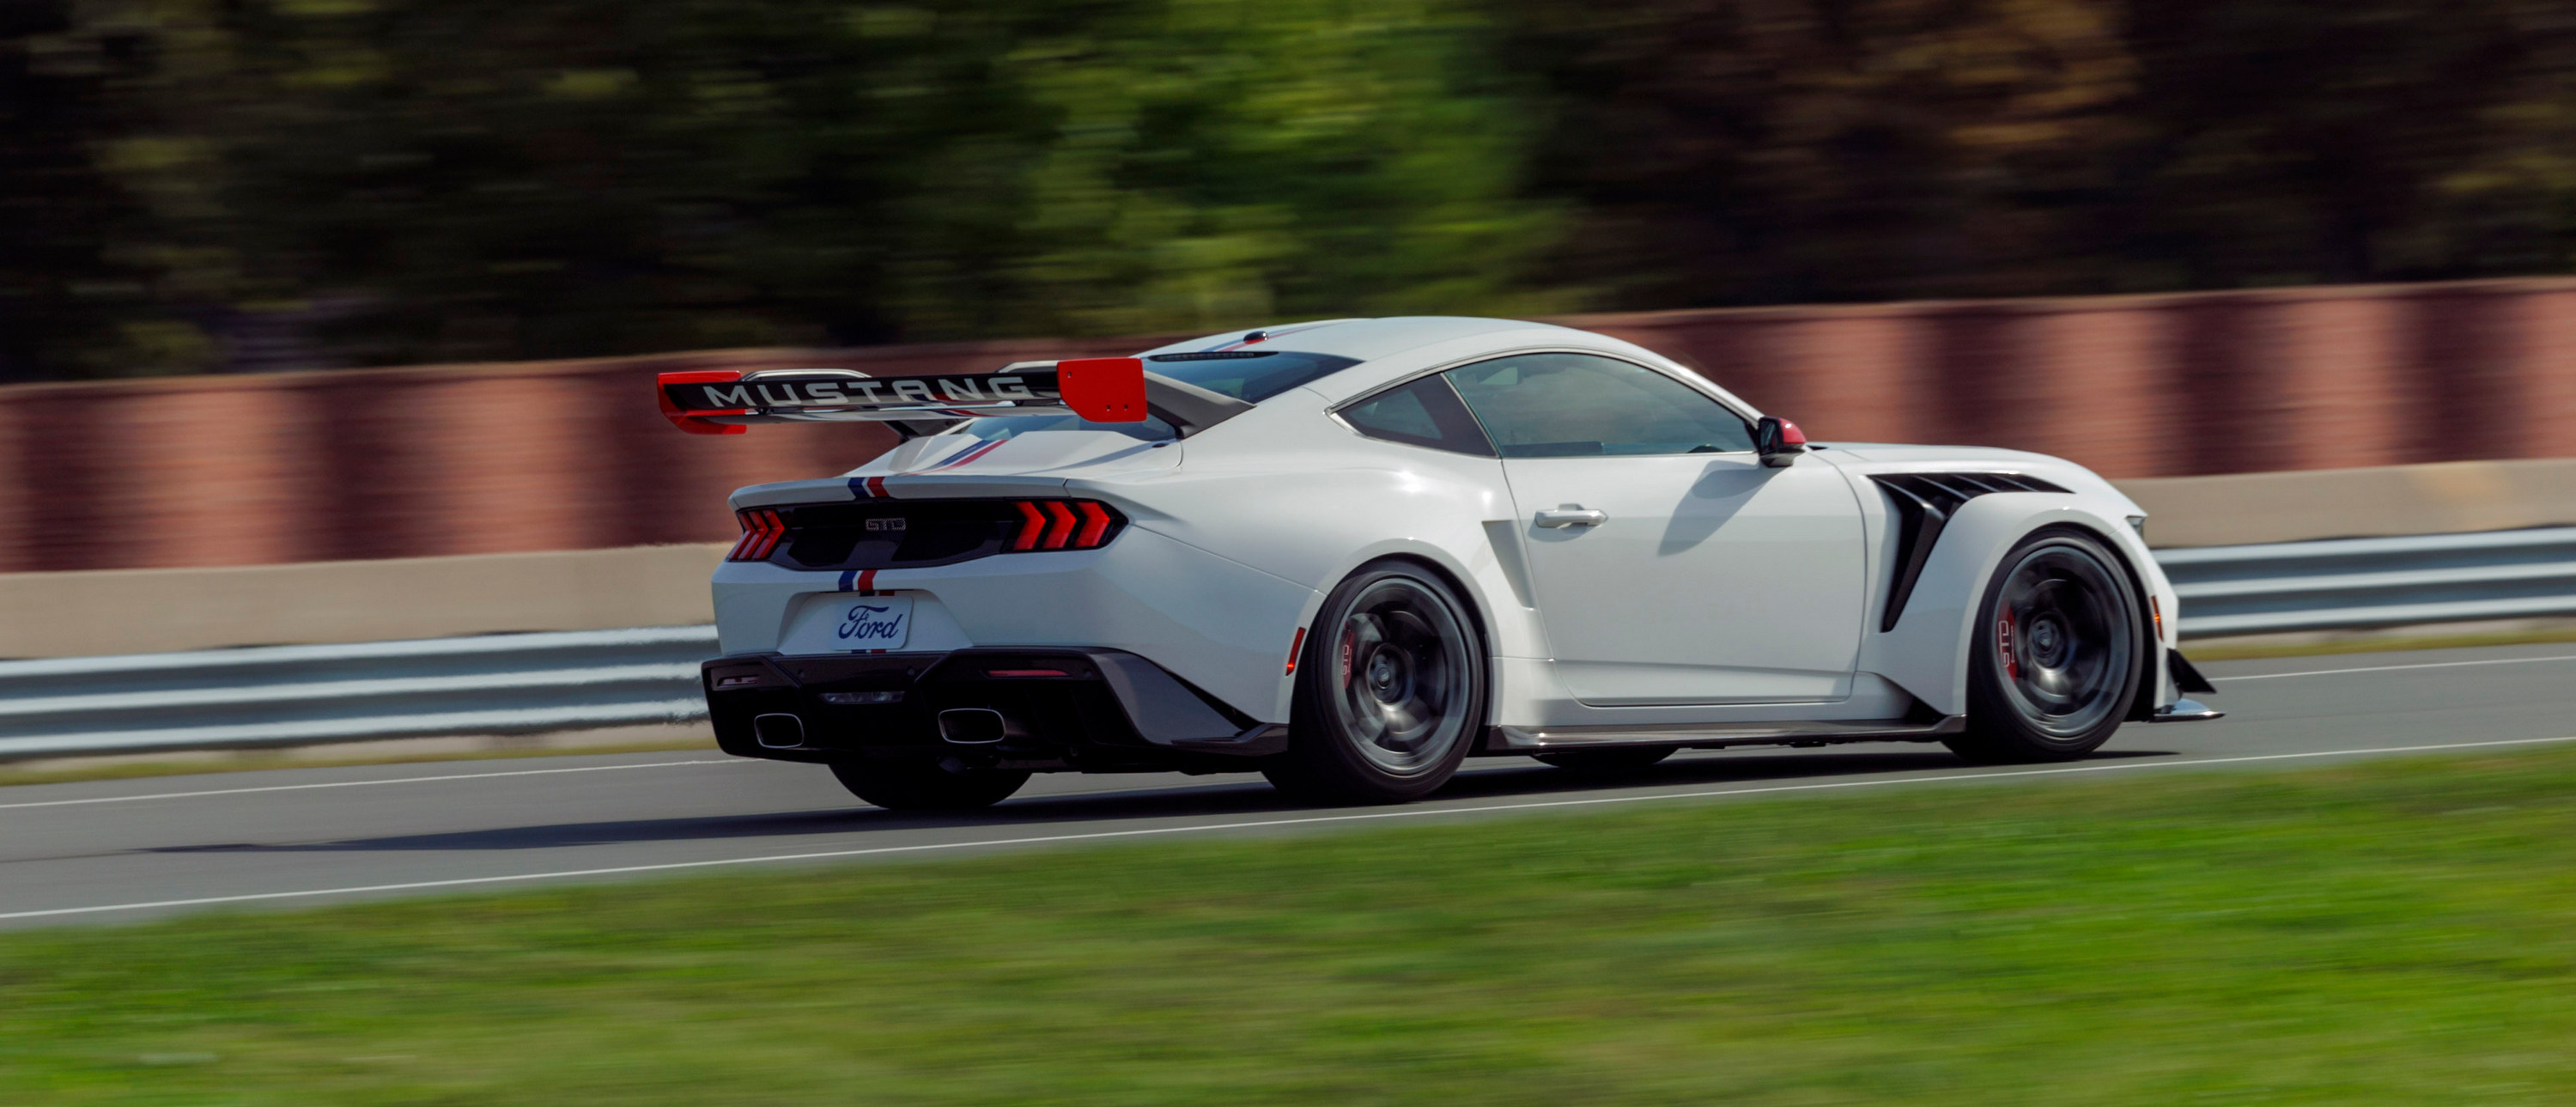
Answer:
[(1349, 554)]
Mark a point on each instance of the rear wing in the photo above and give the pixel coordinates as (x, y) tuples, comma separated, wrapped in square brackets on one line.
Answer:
[(1100, 389)]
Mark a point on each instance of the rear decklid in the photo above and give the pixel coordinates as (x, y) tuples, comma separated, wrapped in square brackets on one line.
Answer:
[(962, 465)]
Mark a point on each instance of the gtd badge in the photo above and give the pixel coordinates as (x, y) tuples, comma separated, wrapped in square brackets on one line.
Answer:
[(885, 524)]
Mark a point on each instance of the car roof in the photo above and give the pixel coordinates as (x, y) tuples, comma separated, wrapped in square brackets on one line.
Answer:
[(1361, 340)]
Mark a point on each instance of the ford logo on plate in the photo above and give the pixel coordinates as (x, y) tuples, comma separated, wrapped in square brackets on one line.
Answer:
[(868, 623)]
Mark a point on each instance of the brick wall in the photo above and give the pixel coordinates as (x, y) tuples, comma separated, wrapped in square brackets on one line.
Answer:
[(247, 470)]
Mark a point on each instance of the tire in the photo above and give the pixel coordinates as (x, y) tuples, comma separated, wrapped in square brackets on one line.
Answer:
[(1605, 762), (2054, 664), (1390, 691), (927, 785)]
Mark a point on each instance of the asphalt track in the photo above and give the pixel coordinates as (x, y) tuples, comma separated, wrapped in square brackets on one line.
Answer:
[(120, 851)]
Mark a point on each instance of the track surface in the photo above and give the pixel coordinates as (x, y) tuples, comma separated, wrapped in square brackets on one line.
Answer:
[(125, 850)]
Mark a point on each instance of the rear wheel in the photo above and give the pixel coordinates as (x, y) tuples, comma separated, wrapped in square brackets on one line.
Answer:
[(1607, 761), (1390, 691), (2054, 663), (944, 785)]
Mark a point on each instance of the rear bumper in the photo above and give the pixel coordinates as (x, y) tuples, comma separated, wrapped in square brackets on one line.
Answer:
[(1081, 709)]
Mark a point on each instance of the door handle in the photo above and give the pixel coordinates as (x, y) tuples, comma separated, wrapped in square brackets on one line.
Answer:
[(1572, 515)]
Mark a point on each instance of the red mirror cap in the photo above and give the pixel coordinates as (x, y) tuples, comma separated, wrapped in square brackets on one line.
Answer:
[(1103, 389), (1790, 435), (694, 422)]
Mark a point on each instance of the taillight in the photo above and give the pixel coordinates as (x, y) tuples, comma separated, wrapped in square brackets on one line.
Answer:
[(1061, 531), (1063, 525), (1095, 526), (1032, 524), (761, 530)]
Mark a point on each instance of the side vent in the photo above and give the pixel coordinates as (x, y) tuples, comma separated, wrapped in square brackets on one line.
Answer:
[(1924, 503)]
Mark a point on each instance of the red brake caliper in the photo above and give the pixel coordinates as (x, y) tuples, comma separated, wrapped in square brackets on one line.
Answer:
[(1350, 645), (2004, 645)]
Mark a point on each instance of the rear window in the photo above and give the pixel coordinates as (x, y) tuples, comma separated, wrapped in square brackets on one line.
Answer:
[(1248, 375), (997, 427)]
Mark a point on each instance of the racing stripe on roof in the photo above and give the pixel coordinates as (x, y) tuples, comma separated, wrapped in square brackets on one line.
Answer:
[(969, 456)]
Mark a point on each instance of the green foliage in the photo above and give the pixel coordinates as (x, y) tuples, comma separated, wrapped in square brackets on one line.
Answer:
[(460, 179), (2386, 933), (195, 184), (68, 300), (1735, 151)]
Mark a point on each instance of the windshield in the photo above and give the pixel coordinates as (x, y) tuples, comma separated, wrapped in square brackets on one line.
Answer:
[(1248, 375)]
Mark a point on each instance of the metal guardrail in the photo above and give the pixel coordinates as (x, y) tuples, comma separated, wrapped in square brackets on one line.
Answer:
[(2360, 583), (301, 695), (532, 683)]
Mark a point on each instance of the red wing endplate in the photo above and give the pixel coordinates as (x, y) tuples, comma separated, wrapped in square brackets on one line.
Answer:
[(726, 401)]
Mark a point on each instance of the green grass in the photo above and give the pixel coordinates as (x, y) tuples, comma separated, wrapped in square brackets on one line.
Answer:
[(2393, 932)]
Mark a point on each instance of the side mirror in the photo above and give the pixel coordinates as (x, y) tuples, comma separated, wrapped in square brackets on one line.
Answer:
[(1778, 441)]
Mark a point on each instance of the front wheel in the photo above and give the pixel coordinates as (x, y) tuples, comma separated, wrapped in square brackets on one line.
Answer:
[(944, 785), (2053, 665), (1390, 691)]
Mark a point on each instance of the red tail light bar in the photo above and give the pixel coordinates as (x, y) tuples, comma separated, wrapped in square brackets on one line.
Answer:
[(1062, 525), (761, 530), (1042, 525)]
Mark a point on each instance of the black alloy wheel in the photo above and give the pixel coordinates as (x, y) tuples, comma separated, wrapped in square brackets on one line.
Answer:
[(944, 785), (1390, 691), (2054, 665)]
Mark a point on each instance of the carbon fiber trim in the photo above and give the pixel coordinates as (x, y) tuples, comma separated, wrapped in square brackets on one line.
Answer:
[(1924, 503)]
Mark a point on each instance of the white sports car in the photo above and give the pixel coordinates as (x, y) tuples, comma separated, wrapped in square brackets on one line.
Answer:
[(1350, 554)]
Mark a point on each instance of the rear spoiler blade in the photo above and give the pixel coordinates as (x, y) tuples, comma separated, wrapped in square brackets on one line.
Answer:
[(1100, 389)]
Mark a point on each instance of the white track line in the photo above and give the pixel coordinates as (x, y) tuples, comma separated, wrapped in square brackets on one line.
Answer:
[(2394, 668), (1401, 813), (366, 783)]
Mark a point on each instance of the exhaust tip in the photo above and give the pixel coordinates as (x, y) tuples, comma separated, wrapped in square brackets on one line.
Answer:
[(971, 726), (778, 731)]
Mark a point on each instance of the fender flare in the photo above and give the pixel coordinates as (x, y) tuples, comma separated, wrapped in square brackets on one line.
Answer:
[(1482, 609), (1927, 653)]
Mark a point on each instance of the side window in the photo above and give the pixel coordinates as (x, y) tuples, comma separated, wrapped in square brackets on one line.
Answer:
[(1422, 413), (1582, 405)]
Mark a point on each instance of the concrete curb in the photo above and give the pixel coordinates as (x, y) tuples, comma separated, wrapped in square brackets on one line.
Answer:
[(121, 611), (2450, 497)]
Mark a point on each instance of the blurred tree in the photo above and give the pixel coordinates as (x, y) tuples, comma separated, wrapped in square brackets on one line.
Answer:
[(454, 179), (195, 184), (68, 300), (2296, 142), (1731, 151), (1739, 151)]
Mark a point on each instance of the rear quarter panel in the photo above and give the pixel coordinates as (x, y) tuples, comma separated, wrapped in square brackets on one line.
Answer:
[(1291, 492)]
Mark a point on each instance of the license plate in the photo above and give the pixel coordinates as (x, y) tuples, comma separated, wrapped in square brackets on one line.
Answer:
[(859, 623)]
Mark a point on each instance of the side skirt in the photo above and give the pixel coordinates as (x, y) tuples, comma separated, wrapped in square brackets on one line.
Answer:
[(1512, 739)]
